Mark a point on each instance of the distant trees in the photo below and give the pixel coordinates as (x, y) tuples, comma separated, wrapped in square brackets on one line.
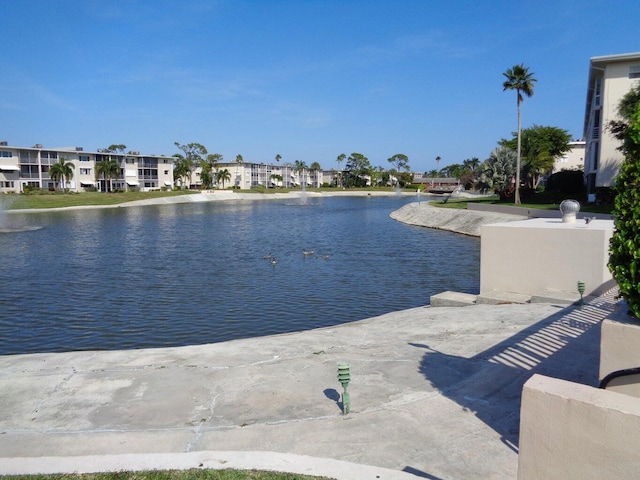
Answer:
[(238, 161), (187, 161), (223, 176), (209, 168), (61, 172), (300, 166), (401, 168), (275, 178), (540, 146), (357, 170), (109, 169), (519, 78)]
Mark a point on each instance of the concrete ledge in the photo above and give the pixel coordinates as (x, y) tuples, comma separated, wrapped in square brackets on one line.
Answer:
[(499, 298), (452, 299), (619, 341), (550, 255), (555, 296), (569, 430)]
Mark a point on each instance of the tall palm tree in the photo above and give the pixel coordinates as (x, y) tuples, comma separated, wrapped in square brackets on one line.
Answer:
[(300, 166), (238, 160), (315, 168), (182, 168), (519, 78), (340, 158), (437, 169), (209, 167), (61, 172), (109, 169), (223, 176)]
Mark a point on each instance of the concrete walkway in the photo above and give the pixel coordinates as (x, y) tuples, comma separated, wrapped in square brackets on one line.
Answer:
[(435, 393)]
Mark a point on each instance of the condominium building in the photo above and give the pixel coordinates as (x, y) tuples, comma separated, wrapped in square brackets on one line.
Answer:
[(248, 175), (22, 167), (610, 78), (572, 159)]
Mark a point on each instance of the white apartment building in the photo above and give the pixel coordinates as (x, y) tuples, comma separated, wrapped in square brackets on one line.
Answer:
[(610, 78), (29, 166), (248, 175), (573, 159)]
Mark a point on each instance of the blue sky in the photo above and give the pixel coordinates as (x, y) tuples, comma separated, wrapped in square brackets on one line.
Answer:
[(308, 80)]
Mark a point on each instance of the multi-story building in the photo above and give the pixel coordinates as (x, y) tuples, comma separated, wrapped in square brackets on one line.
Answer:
[(610, 78), (573, 159), (29, 166), (248, 175)]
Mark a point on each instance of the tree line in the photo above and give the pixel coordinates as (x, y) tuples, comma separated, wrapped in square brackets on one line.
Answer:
[(523, 159)]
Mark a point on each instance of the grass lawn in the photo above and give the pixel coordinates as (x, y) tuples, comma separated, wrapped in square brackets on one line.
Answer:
[(193, 474), (59, 200), (540, 203)]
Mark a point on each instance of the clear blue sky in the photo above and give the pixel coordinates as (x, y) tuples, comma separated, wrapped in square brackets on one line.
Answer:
[(308, 80)]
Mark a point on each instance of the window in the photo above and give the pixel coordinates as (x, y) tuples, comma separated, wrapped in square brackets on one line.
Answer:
[(83, 158), (5, 153), (166, 172), (8, 184), (85, 171), (596, 96), (634, 71)]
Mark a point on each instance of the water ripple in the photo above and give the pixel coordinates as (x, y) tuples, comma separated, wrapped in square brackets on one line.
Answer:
[(195, 273)]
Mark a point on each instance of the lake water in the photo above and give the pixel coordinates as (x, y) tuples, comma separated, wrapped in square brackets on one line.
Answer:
[(194, 273)]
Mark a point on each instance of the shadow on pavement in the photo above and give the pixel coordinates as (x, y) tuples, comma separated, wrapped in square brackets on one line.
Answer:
[(420, 473), (489, 384)]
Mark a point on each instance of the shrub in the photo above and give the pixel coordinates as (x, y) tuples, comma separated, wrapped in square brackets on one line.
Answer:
[(624, 251), (566, 182), (605, 196)]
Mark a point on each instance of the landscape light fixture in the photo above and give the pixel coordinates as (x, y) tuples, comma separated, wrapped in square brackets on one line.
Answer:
[(344, 377), (581, 292)]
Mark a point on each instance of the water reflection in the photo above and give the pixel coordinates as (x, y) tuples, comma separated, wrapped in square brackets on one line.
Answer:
[(195, 273)]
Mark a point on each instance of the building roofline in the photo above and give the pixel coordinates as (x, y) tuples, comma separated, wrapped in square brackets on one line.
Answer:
[(81, 151), (620, 57), (598, 64)]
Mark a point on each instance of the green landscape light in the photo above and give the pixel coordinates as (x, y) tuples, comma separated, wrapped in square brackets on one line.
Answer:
[(581, 292), (344, 377)]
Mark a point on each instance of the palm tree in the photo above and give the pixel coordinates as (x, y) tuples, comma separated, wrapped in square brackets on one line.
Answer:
[(437, 169), (182, 168), (209, 167), (300, 166), (61, 172), (519, 78), (223, 176), (277, 178), (239, 160), (341, 158), (496, 172), (315, 168), (109, 169)]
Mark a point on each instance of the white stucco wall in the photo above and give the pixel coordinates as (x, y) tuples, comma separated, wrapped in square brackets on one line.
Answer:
[(532, 256), (616, 84), (569, 430)]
